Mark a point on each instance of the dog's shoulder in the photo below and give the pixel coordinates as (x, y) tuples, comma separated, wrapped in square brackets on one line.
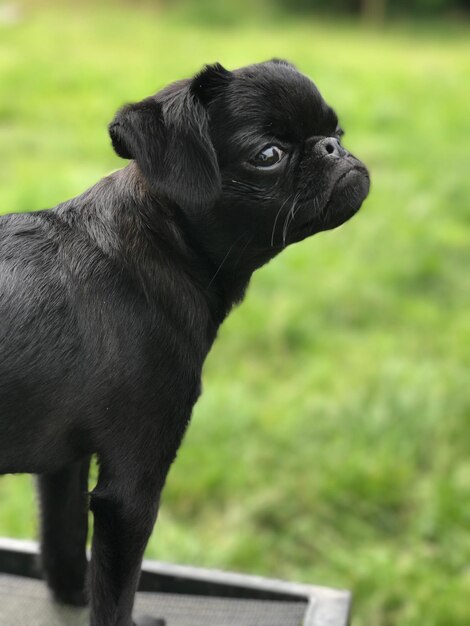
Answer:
[(24, 235)]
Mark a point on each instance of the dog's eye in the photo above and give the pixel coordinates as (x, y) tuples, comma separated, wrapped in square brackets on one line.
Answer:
[(268, 157)]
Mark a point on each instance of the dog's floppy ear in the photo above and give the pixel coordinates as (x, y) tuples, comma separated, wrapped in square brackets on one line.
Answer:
[(210, 82), (168, 136)]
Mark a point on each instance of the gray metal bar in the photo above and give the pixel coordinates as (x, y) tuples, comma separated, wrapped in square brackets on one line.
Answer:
[(325, 606)]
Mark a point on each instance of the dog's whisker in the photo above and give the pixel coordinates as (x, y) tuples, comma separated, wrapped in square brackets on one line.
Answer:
[(286, 225), (237, 260), (223, 261), (289, 219), (277, 217)]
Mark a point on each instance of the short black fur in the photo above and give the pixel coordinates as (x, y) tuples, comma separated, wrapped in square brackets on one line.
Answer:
[(111, 301)]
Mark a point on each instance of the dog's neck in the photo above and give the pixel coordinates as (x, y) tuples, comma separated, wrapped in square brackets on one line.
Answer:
[(130, 222), (216, 272)]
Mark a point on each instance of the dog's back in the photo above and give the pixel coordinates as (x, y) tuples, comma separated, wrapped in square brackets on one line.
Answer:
[(81, 339)]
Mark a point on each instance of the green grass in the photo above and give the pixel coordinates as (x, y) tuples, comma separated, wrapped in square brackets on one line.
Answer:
[(332, 441)]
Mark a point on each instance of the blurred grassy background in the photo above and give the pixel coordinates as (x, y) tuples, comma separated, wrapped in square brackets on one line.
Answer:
[(332, 441)]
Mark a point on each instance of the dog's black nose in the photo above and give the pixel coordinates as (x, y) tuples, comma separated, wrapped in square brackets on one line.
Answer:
[(330, 146)]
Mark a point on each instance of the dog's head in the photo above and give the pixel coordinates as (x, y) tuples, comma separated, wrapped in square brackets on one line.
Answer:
[(252, 157)]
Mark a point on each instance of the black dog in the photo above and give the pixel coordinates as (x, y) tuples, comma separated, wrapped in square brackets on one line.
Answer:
[(110, 302)]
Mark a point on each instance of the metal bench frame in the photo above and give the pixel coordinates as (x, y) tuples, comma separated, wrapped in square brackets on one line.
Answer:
[(325, 606)]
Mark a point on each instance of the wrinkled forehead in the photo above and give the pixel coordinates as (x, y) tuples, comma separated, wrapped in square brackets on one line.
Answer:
[(276, 101)]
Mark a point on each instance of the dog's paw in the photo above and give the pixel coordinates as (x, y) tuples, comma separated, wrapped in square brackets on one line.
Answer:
[(71, 597), (146, 620)]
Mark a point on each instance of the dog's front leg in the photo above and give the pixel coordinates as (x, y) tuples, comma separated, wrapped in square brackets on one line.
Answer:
[(125, 505)]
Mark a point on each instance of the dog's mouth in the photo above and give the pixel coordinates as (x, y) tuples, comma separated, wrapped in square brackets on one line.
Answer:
[(347, 178), (329, 209), (347, 194)]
